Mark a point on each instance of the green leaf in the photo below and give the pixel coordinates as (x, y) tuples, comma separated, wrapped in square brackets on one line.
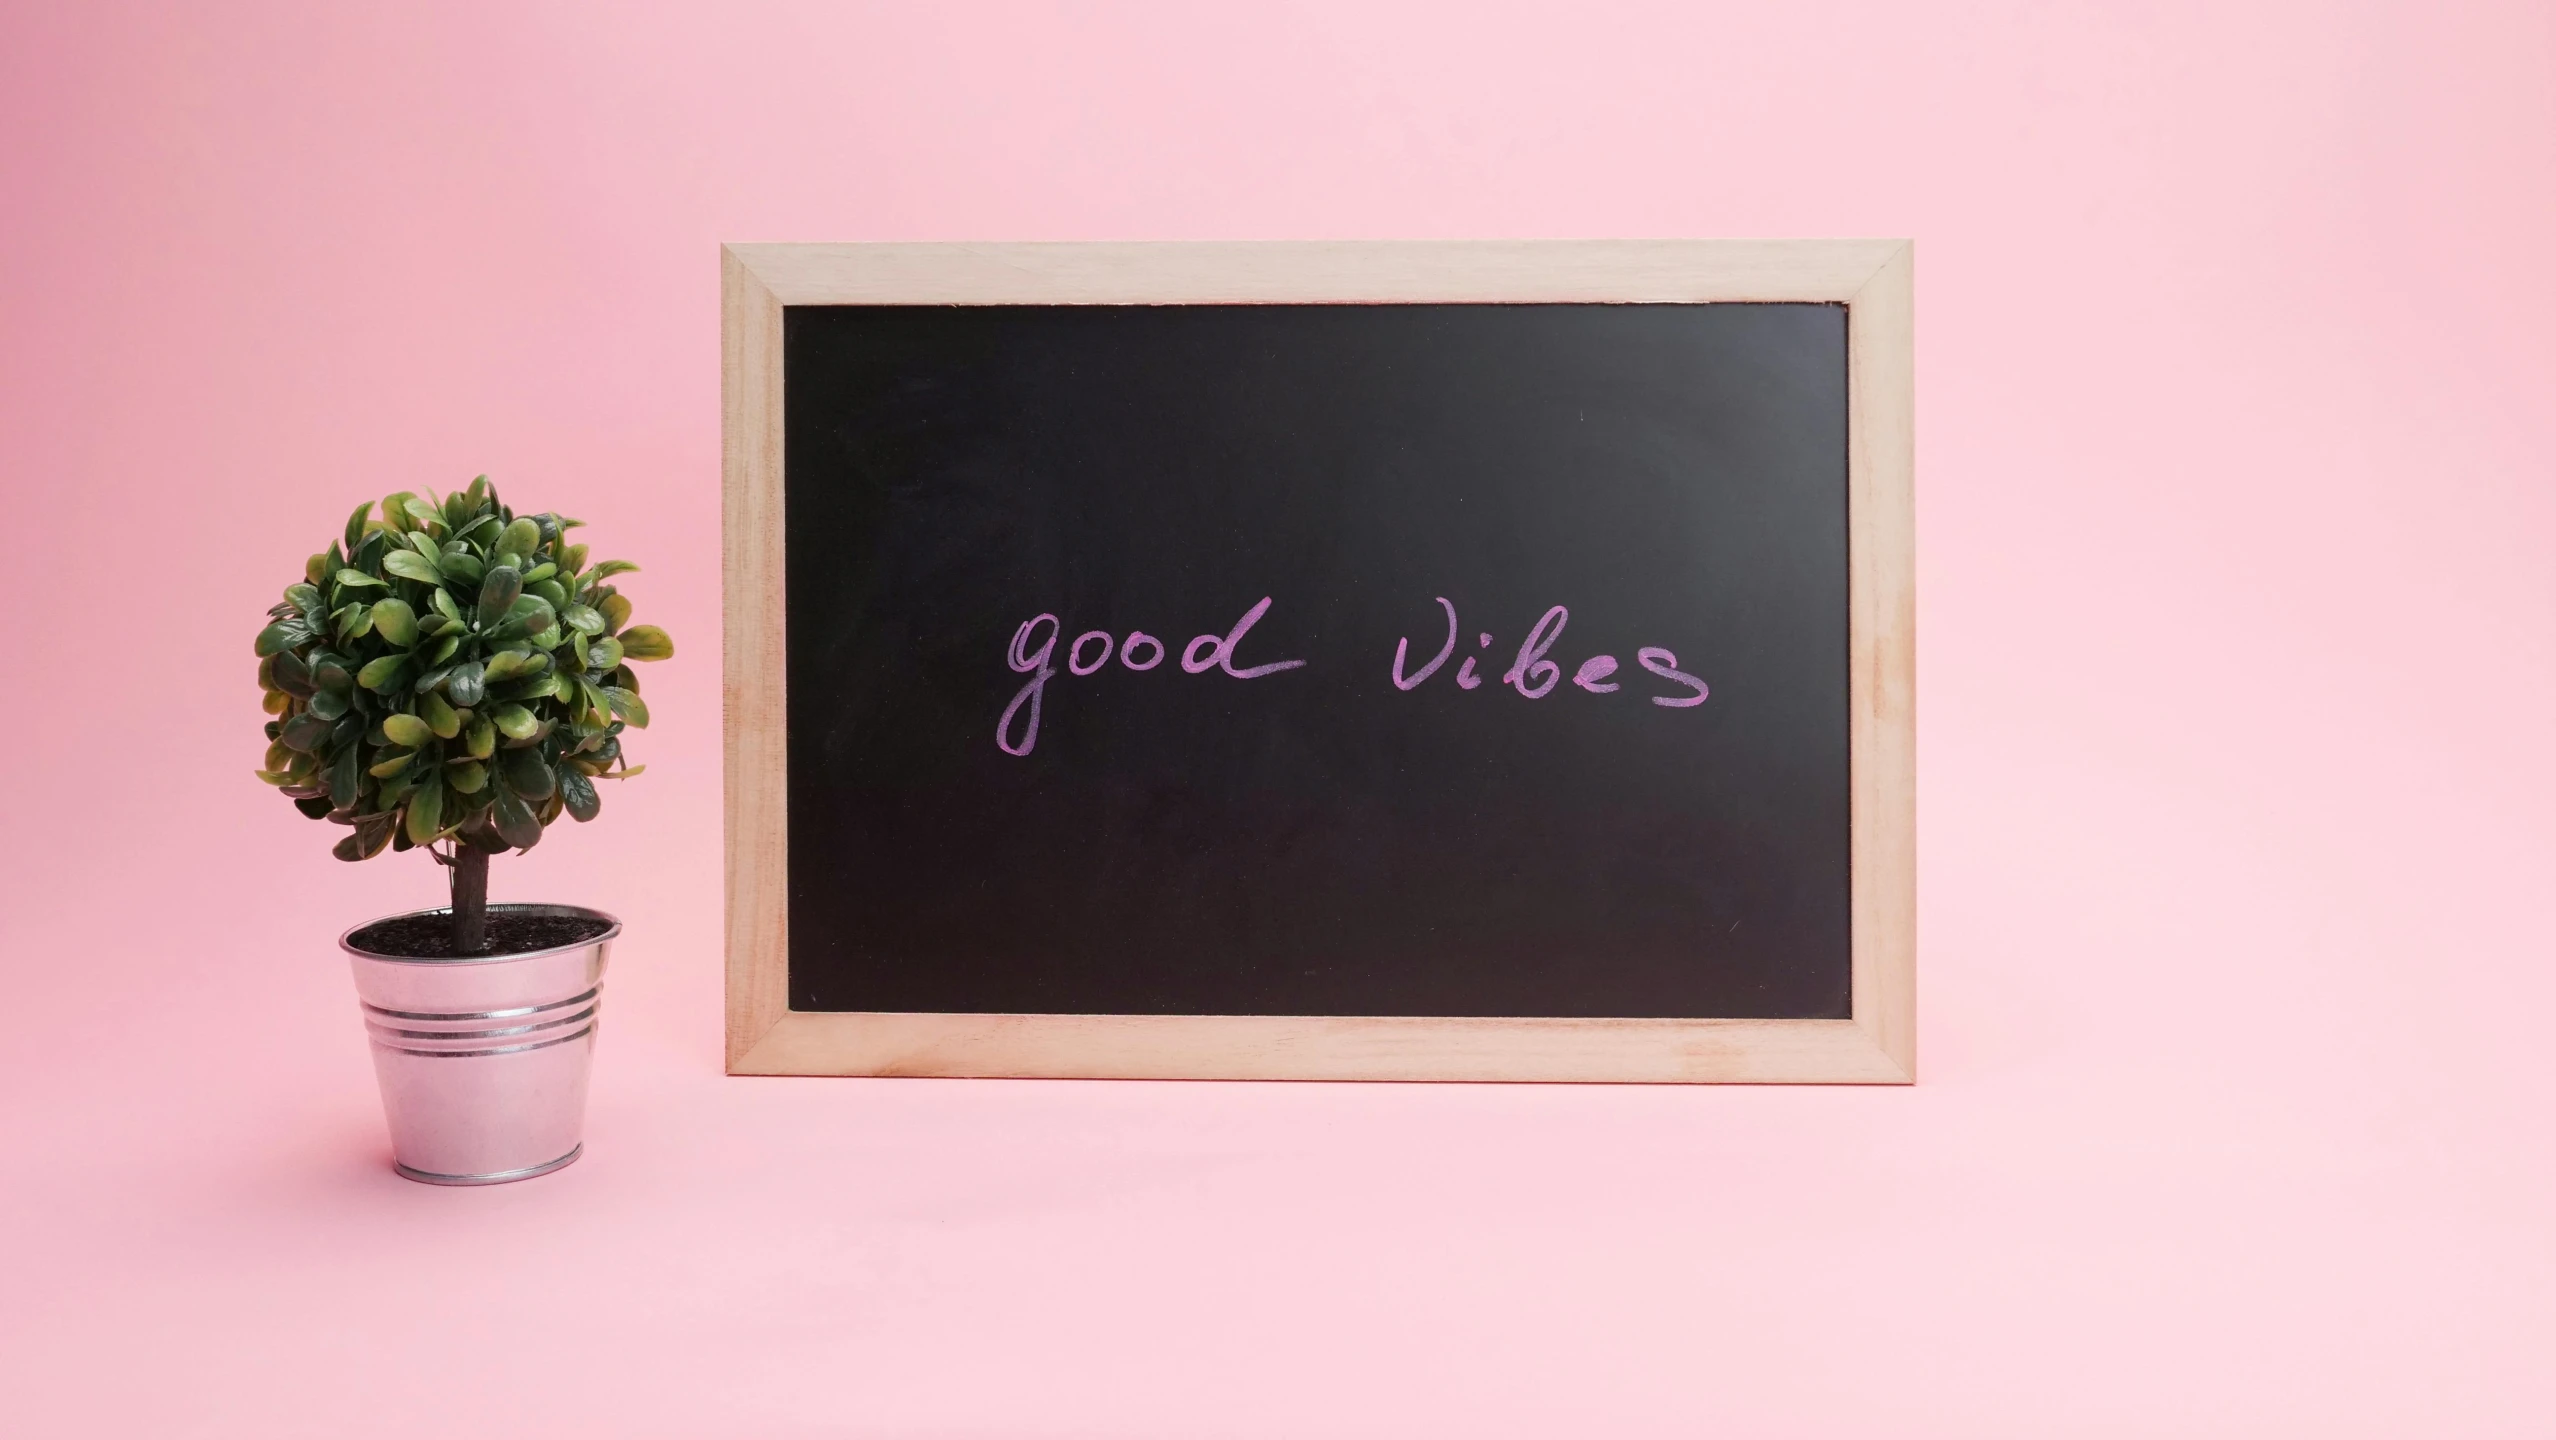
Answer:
[(445, 605), (627, 705), (517, 722), (647, 642), (409, 565), (520, 538), (331, 674), (616, 611), (426, 811), (385, 769), (506, 665), (280, 636), (498, 593), (584, 619), (524, 773), (372, 833), (424, 544), (314, 806), (572, 558), (290, 675), (355, 524), (382, 673), (516, 822), (353, 622), (533, 613), (407, 730), (467, 684), (346, 777), (610, 568), (604, 654), (423, 513), (538, 687), (358, 578), (483, 739), (304, 732), (438, 715), (395, 509), (394, 621), (466, 776), (540, 573), (578, 793), (328, 704)]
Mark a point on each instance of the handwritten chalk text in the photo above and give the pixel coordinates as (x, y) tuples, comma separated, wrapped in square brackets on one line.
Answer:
[(1530, 673)]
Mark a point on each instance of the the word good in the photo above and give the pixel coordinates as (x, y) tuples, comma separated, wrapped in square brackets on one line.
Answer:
[(1534, 676), (1092, 649)]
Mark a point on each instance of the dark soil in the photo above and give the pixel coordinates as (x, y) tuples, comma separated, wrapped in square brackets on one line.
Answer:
[(430, 937)]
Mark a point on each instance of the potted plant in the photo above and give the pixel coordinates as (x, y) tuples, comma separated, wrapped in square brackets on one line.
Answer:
[(452, 677)]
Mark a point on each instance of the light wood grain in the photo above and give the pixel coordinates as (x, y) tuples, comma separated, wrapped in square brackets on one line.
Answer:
[(1318, 273), (1882, 641), (1873, 278), (1264, 1047), (755, 693)]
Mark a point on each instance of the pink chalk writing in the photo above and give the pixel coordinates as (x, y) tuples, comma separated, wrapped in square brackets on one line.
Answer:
[(1532, 674), (1531, 661), (1025, 662), (1074, 657), (1663, 664), (1220, 650), (1400, 652), (1207, 652), (1127, 652)]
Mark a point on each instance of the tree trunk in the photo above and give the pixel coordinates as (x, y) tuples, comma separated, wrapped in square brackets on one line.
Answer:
[(470, 899)]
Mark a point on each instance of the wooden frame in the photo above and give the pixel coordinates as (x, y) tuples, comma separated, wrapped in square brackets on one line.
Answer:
[(1871, 277)]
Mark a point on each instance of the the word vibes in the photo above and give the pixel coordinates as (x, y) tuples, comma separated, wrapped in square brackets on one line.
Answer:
[(1534, 676), (1033, 653)]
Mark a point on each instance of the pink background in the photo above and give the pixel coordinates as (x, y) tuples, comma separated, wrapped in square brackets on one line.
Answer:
[(2236, 408)]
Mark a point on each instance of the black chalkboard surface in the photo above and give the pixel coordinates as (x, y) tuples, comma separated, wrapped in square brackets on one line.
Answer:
[(1318, 660)]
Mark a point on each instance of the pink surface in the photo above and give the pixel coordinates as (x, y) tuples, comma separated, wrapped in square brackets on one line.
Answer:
[(2235, 563)]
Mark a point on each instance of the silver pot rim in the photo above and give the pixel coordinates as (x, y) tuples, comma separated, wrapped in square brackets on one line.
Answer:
[(346, 940)]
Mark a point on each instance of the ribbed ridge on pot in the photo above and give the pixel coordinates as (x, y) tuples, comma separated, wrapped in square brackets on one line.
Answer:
[(470, 1033)]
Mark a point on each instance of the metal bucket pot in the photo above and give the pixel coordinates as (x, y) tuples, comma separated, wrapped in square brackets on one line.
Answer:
[(483, 1061)]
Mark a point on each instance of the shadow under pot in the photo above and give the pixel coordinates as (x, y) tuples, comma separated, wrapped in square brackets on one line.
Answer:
[(483, 1059)]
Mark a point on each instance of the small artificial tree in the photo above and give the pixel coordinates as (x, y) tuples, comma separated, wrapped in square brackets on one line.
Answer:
[(452, 676)]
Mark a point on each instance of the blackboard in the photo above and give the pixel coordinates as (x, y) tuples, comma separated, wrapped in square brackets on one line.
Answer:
[(1433, 661)]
